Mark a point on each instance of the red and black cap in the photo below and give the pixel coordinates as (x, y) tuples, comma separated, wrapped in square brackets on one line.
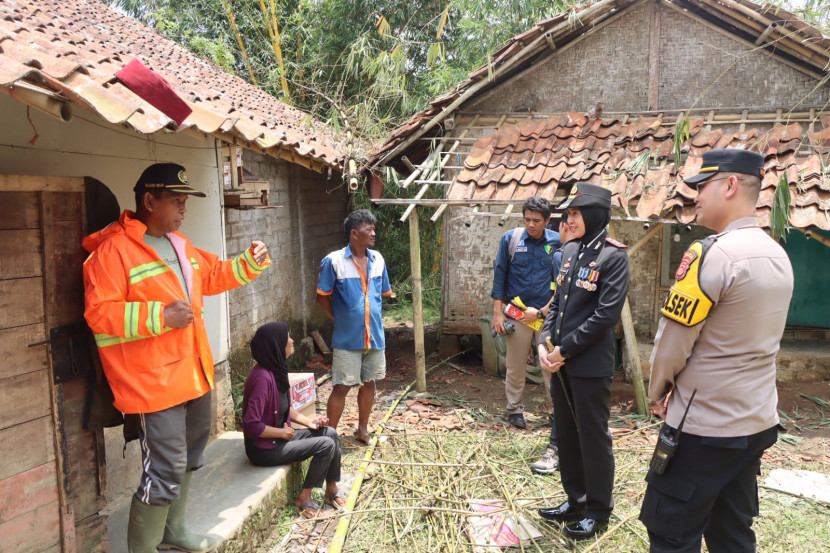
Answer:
[(728, 160), (585, 194), (166, 176)]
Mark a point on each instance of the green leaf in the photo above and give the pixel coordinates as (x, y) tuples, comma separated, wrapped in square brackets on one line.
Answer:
[(780, 217), (681, 135), (435, 52)]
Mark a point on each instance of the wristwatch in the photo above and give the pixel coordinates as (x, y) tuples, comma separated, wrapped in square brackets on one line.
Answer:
[(540, 315)]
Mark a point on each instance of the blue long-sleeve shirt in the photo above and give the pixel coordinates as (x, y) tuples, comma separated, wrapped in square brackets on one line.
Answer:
[(529, 275)]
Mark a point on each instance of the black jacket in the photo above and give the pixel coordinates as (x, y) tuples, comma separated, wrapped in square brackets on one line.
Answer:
[(590, 294)]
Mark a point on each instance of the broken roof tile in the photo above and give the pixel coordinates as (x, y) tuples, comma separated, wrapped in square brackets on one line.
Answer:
[(527, 166)]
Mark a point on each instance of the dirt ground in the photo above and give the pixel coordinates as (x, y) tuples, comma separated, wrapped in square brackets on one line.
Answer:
[(462, 399), (466, 380)]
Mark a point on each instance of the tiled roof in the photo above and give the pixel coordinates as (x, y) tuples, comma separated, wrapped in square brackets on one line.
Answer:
[(540, 156), (789, 37), (75, 47)]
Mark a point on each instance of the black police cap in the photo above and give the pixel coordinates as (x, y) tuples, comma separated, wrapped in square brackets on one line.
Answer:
[(728, 160), (588, 195), (166, 176)]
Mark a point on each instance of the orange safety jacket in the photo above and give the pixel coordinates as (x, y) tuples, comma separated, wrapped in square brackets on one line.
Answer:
[(151, 367)]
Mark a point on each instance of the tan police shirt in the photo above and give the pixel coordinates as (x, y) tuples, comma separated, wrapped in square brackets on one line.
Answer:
[(730, 356)]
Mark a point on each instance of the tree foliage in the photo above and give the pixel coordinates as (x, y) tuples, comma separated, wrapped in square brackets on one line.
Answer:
[(372, 62)]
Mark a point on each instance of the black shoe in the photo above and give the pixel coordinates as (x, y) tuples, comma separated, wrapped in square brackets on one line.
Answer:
[(517, 420), (585, 528), (563, 513)]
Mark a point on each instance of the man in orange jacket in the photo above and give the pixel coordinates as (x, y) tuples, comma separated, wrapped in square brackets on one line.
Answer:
[(144, 283)]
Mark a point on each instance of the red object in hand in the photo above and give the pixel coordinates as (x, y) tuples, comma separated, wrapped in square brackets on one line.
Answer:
[(155, 90)]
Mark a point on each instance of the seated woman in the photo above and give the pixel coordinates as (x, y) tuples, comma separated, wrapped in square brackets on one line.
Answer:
[(266, 419)]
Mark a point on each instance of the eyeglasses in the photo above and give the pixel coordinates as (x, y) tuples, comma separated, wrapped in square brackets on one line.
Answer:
[(700, 184)]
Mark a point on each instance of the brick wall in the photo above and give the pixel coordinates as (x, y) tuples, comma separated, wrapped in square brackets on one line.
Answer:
[(468, 271), (307, 226), (611, 65)]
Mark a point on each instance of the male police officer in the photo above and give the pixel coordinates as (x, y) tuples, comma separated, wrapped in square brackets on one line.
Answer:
[(720, 331), (591, 288), (523, 268)]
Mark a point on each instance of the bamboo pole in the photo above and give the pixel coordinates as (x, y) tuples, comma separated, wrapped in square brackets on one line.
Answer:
[(339, 539), (640, 243), (232, 21), (817, 237), (417, 302), (633, 351), (274, 35)]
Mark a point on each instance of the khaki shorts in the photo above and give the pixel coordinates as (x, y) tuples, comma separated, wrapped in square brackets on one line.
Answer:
[(354, 367)]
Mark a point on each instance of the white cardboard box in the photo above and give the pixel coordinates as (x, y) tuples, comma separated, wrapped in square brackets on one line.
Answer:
[(303, 394)]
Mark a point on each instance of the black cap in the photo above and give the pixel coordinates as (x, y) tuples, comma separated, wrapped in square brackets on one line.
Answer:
[(166, 176), (588, 195), (728, 160)]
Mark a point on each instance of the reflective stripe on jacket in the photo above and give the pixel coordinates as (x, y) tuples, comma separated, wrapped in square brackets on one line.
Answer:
[(151, 367)]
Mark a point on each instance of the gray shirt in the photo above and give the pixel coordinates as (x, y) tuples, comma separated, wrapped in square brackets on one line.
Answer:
[(167, 253), (730, 356)]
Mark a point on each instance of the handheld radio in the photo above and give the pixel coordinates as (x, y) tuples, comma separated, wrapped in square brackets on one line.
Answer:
[(667, 443)]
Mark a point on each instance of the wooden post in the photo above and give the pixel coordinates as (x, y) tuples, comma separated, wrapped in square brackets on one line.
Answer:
[(417, 303), (633, 352)]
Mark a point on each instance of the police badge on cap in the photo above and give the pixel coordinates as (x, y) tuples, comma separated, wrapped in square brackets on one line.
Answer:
[(586, 195), (728, 160)]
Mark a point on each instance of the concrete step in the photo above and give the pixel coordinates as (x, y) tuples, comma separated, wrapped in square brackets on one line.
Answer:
[(229, 497)]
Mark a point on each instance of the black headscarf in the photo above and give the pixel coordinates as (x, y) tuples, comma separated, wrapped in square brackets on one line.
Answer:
[(268, 349), (595, 219)]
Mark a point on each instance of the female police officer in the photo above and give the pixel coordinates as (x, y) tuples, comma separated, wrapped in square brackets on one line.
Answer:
[(592, 285)]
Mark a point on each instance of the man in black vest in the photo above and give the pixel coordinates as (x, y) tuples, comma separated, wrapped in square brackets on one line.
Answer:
[(591, 288)]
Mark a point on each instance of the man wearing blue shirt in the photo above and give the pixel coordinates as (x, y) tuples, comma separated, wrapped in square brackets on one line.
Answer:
[(525, 272), (350, 286)]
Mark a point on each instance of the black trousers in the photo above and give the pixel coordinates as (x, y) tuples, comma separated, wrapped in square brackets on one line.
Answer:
[(586, 457), (709, 490), (322, 445)]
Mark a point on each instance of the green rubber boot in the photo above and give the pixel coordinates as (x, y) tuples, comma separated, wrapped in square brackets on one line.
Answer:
[(176, 534), (146, 527)]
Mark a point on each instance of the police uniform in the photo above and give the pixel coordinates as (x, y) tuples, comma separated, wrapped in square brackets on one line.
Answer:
[(591, 288), (720, 332)]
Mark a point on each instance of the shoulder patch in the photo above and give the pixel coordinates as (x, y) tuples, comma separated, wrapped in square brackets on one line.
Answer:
[(686, 302), (615, 242)]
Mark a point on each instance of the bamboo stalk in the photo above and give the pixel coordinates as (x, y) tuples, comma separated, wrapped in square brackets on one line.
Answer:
[(339, 538), (633, 352), (232, 21)]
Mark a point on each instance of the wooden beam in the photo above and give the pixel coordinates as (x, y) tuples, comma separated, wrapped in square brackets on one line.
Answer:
[(417, 303), (633, 351), (654, 58), (642, 241), (436, 173), (817, 237), (28, 183)]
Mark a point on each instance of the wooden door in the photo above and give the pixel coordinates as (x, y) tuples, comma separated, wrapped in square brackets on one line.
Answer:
[(51, 484)]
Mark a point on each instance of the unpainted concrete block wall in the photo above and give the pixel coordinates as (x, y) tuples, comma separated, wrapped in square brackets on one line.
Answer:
[(304, 229), (468, 271)]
